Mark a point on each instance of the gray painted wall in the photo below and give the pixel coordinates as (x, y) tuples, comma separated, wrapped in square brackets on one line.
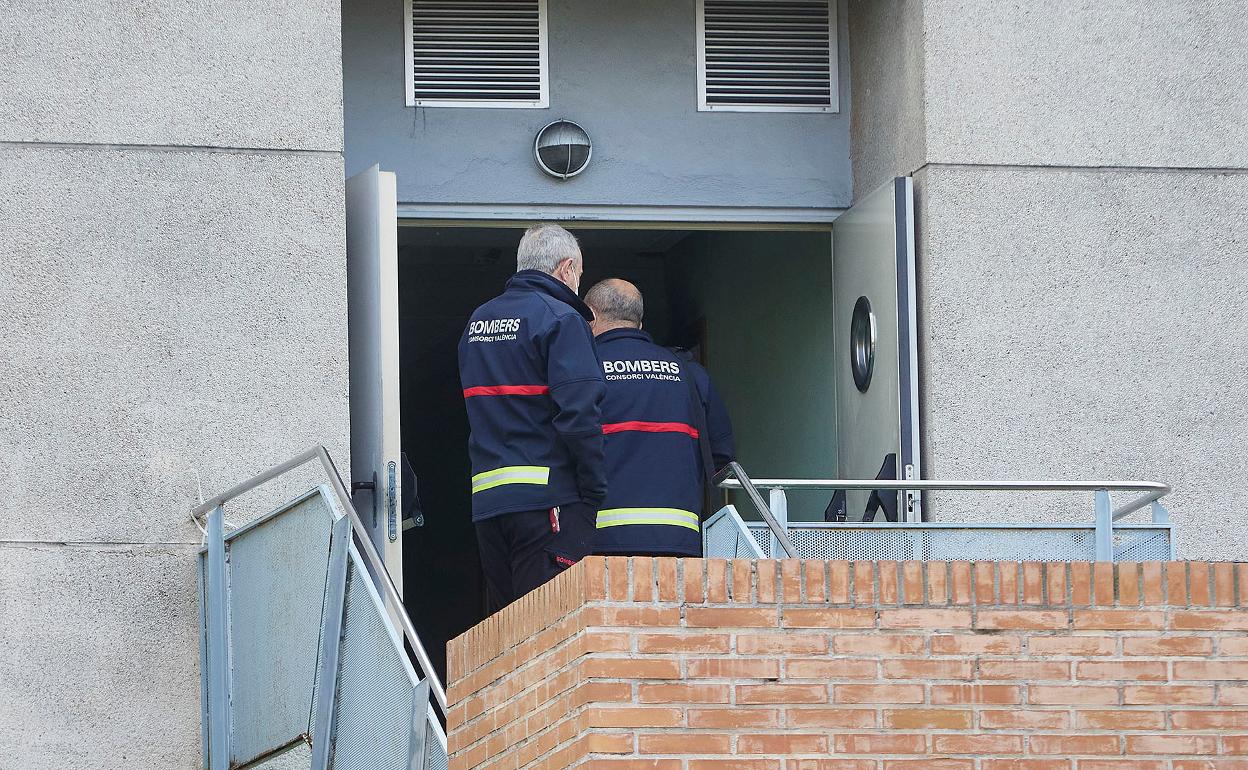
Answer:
[(1080, 237), (174, 320), (625, 71)]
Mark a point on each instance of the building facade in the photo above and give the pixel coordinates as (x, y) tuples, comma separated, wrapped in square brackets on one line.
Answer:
[(175, 302)]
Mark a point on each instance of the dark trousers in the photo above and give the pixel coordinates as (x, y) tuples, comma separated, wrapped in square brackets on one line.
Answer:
[(521, 551)]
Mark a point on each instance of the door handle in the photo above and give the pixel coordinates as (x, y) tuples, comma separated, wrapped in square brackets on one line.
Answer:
[(413, 516)]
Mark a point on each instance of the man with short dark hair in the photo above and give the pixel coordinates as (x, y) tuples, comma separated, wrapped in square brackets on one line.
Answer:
[(533, 391), (664, 424)]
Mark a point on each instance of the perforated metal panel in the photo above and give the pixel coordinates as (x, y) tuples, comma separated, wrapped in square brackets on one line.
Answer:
[(376, 683), (724, 535)]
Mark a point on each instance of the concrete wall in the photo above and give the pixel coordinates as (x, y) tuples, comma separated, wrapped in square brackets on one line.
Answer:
[(1080, 237), (627, 72), (174, 318)]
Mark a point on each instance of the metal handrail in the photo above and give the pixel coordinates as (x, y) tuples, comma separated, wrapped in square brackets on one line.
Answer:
[(734, 476), (1153, 490), (391, 591)]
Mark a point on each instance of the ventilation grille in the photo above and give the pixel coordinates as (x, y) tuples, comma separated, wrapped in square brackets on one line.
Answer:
[(477, 52), (767, 54)]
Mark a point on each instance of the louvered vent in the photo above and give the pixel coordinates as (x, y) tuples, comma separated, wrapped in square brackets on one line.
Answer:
[(767, 55), (487, 53)]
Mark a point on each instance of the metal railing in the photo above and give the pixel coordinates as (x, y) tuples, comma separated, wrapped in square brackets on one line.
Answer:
[(774, 515), (363, 541)]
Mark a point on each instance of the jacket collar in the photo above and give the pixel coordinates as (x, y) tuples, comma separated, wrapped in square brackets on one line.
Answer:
[(536, 280), (624, 333)]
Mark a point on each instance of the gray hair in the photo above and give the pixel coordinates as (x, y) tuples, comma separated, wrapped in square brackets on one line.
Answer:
[(544, 246), (615, 301)]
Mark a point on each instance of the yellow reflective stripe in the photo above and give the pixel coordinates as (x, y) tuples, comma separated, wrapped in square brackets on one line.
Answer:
[(511, 474), (616, 517)]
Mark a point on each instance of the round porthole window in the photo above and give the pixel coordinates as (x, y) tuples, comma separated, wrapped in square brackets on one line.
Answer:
[(862, 343), (562, 149)]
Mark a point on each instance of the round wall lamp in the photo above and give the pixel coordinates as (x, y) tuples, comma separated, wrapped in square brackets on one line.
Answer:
[(862, 337), (562, 149)]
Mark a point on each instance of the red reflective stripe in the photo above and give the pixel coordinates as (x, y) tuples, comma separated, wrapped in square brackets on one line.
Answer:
[(506, 390), (650, 427)]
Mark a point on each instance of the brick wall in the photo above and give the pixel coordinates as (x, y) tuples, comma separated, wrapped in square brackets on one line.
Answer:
[(666, 664)]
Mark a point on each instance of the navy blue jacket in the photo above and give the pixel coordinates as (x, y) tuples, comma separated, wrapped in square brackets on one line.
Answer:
[(654, 464), (533, 391)]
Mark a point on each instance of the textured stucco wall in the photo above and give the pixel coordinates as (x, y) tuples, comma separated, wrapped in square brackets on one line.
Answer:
[(1080, 237), (173, 298), (627, 72)]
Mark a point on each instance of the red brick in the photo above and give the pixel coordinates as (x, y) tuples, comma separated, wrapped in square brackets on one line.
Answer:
[(1119, 620), (1163, 695), (838, 582), (1209, 720), (595, 571), (609, 743), (607, 641), (1121, 764), (928, 669), (1017, 719), (682, 692), (1232, 696), (782, 693), (912, 582), (1172, 744), (1210, 764), (815, 582), (985, 582), (961, 589), (716, 581), (1235, 744), (630, 668), (766, 644), (1074, 744), (683, 642), (766, 573), (733, 717), (1025, 764), (1031, 670), (925, 619), (643, 578), (977, 744), (877, 644), (928, 764), (631, 616), (937, 583), (864, 582), (1201, 646), (1176, 584), (730, 617), (1072, 645), (830, 618), (831, 668), (1080, 583), (1007, 577), (632, 717), (977, 644), (1209, 620), (734, 764), (668, 590), (742, 578), (684, 743), (1010, 620), (927, 719), (627, 764), (692, 590), (1055, 583), (1033, 583), (1198, 583), (830, 764), (1103, 583), (890, 591), (840, 719), (1078, 695), (1129, 584), (1152, 583), (1135, 670), (791, 581), (1233, 646), (1211, 669), (734, 668), (877, 743), (994, 694), (602, 692), (617, 578), (1121, 719), (786, 744), (877, 693)]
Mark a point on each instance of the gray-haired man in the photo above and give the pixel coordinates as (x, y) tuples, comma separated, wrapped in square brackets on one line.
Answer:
[(533, 390)]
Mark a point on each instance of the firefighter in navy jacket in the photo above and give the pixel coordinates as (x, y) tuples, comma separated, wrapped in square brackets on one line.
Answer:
[(658, 408), (533, 391)]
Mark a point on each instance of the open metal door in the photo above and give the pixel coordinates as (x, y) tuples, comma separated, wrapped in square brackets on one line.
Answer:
[(876, 359), (373, 321)]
